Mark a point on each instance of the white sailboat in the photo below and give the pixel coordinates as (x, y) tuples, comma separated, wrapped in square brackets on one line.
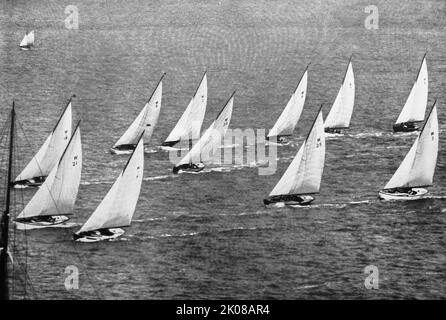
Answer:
[(27, 41), (203, 151), (187, 130), (416, 172), (145, 122), (287, 121), (341, 112), (40, 166), (117, 208), (413, 111), (303, 177), (54, 200)]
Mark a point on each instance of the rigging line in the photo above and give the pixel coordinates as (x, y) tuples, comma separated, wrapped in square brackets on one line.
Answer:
[(57, 209)]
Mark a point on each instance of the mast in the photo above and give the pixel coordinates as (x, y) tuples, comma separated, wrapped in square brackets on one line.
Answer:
[(4, 294)]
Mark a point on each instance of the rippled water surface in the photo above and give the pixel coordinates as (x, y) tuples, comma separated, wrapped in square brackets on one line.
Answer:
[(208, 235)]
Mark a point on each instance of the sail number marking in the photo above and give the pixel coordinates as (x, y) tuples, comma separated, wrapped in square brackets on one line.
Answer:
[(75, 161)]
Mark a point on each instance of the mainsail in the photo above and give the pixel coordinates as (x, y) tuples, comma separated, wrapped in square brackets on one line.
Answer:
[(205, 148), (58, 193), (189, 125), (304, 174), (145, 121), (342, 109), (117, 208), (287, 121), (416, 103), (51, 150), (418, 167)]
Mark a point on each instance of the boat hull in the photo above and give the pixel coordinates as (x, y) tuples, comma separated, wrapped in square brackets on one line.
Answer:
[(406, 127), (99, 235), (333, 130), (25, 48), (280, 140), (40, 223), (190, 167), (289, 200), (127, 149), (412, 194), (35, 182)]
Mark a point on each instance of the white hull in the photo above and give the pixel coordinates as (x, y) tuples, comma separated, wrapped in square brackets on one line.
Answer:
[(420, 193), (117, 232), (119, 152), (170, 148), (59, 223), (25, 48)]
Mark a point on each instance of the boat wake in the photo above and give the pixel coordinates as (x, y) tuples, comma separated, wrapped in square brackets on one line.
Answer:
[(141, 237), (151, 150)]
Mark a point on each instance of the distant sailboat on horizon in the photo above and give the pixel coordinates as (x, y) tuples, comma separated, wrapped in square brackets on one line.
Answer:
[(416, 172), (303, 177), (27, 41), (203, 150), (287, 121), (117, 208), (145, 122), (412, 114), (341, 111), (55, 199), (40, 166), (187, 130)]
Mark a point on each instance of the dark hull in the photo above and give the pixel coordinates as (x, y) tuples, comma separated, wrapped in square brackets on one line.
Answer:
[(190, 167), (35, 182), (98, 235), (169, 143), (280, 139), (289, 199), (333, 130), (406, 127)]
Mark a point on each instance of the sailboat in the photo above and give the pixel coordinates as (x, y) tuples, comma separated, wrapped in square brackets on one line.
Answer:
[(36, 171), (416, 172), (287, 121), (117, 208), (413, 111), (204, 149), (54, 200), (303, 177), (188, 127), (341, 112), (145, 122), (27, 41)]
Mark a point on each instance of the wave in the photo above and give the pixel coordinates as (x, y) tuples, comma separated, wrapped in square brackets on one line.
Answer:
[(159, 177)]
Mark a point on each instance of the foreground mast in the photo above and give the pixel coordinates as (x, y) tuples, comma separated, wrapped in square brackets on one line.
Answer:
[(4, 292)]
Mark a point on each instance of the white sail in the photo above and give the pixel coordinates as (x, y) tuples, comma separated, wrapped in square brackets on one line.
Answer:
[(49, 153), (342, 109), (418, 167), (24, 41), (204, 149), (290, 115), (304, 174), (58, 193), (146, 120), (118, 206), (30, 38), (416, 103), (189, 125)]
